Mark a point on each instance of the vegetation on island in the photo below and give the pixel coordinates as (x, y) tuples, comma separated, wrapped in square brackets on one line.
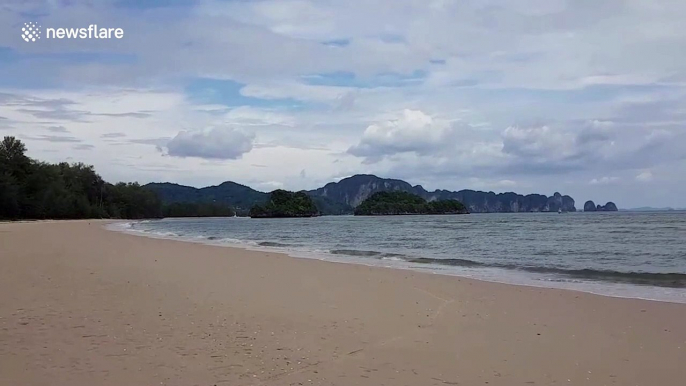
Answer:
[(283, 203), (402, 203)]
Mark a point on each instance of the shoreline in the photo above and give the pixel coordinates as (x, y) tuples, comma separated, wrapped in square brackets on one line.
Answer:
[(87, 306), (504, 276)]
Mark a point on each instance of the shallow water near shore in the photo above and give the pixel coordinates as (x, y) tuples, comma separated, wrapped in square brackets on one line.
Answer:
[(624, 254)]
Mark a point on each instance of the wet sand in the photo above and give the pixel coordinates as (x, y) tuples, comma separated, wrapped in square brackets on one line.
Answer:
[(80, 305)]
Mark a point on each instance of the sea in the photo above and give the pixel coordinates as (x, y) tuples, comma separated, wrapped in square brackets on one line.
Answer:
[(621, 254)]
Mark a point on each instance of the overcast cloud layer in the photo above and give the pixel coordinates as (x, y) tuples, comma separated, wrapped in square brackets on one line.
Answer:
[(583, 97)]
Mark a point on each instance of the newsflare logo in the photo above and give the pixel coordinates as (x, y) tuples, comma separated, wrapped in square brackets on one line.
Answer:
[(32, 32)]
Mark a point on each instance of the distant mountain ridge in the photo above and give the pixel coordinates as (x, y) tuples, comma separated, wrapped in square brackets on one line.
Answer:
[(343, 196), (353, 190), (241, 197)]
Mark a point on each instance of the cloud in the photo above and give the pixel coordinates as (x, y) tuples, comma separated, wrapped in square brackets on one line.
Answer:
[(14, 99), (645, 176), (159, 142), (139, 114), (538, 142), (413, 131), (162, 141), (113, 135), (561, 146), (604, 181), (59, 114), (83, 147), (55, 138), (5, 123), (211, 143), (58, 129), (505, 183)]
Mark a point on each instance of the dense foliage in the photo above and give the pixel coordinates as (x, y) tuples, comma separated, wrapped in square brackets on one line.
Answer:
[(230, 194), (30, 189), (399, 202), (286, 204)]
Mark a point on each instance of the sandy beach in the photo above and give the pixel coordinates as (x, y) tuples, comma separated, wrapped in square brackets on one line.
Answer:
[(81, 305)]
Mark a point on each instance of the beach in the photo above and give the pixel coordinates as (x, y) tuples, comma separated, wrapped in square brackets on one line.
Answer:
[(82, 305)]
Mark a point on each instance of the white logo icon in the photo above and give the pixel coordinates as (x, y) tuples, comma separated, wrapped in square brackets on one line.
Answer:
[(30, 32)]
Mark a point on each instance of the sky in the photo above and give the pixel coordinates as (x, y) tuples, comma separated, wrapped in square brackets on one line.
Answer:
[(583, 97)]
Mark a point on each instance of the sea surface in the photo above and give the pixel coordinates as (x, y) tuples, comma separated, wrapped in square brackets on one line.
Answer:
[(624, 254)]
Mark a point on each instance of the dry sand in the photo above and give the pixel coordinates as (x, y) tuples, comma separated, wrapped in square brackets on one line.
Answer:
[(80, 305)]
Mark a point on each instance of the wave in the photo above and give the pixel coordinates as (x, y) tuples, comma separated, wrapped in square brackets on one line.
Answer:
[(354, 252), (274, 244), (671, 280), (451, 262), (374, 254)]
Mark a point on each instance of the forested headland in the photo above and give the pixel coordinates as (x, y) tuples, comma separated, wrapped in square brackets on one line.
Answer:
[(400, 203), (283, 203), (32, 189)]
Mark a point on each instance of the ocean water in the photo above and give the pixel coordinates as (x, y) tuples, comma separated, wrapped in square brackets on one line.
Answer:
[(624, 254)]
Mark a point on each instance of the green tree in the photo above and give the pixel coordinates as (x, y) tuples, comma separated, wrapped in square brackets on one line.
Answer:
[(32, 189), (283, 203), (399, 202)]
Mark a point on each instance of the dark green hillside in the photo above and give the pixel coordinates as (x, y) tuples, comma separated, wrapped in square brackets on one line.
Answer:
[(229, 194), (401, 203), (283, 203)]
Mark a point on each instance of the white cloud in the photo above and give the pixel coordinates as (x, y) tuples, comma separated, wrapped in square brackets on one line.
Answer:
[(211, 143), (541, 143), (412, 131), (645, 176), (604, 181)]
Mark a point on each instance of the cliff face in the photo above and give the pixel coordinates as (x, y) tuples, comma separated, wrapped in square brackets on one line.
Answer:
[(354, 190), (590, 206)]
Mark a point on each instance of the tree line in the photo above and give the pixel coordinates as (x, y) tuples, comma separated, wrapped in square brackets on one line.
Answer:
[(32, 189), (400, 202)]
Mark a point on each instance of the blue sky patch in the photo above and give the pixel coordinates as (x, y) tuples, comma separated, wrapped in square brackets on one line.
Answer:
[(337, 42), (228, 92), (349, 79)]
